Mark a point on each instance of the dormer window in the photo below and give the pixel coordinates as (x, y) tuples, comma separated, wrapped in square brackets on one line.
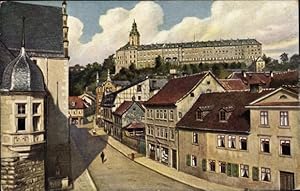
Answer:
[(73, 103), (283, 97), (199, 115), (222, 115)]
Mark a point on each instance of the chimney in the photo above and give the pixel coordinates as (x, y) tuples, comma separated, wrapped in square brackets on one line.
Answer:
[(256, 88), (244, 73)]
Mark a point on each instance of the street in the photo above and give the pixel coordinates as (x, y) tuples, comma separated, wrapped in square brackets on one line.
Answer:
[(117, 172)]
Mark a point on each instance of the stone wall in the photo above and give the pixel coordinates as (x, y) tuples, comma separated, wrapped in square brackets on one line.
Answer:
[(22, 174)]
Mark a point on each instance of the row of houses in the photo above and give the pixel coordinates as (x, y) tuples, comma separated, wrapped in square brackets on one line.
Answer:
[(241, 131)]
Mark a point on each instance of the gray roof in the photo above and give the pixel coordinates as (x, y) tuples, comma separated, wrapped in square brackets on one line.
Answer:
[(197, 44), (5, 58), (21, 75), (44, 28)]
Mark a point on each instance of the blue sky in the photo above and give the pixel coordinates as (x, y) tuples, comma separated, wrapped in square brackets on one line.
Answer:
[(98, 28), (89, 11)]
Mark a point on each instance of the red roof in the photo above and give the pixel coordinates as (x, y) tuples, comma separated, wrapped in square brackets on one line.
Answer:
[(266, 79), (232, 102), (233, 84), (123, 107), (76, 103), (175, 89), (135, 125)]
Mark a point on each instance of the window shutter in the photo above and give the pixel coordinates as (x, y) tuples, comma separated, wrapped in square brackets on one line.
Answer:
[(255, 173), (204, 165), (228, 169), (188, 160), (235, 170)]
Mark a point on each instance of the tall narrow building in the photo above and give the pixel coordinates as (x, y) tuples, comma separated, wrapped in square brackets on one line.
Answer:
[(46, 53), (22, 100)]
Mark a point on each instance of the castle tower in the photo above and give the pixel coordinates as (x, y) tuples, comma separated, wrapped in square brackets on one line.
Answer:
[(65, 28), (134, 36), (22, 95)]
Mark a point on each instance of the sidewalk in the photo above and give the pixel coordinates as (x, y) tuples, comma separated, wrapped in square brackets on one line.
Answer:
[(84, 181), (164, 170)]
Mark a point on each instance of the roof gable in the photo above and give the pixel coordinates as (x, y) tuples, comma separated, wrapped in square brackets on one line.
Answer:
[(280, 95), (176, 89)]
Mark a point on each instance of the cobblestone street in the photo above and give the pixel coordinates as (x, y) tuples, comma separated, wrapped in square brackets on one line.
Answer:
[(117, 172)]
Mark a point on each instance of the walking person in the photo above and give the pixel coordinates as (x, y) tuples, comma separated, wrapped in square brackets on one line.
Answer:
[(102, 156)]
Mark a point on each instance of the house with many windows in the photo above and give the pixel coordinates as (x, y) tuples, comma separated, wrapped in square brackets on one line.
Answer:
[(167, 107), (243, 138)]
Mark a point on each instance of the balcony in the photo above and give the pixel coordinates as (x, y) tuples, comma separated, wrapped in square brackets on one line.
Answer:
[(23, 141)]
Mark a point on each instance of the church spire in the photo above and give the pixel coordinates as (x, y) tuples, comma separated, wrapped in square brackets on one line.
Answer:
[(108, 76), (23, 32), (134, 36)]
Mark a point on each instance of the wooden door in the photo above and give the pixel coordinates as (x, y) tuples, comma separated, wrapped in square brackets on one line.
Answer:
[(174, 159), (286, 181)]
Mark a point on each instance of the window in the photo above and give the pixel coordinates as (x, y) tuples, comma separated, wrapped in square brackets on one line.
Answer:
[(231, 142), (172, 134), (243, 143), (255, 173), (285, 147), (221, 141), (212, 165), (160, 114), (179, 114), (192, 94), (139, 98), (161, 132), (165, 114), (244, 171), (36, 108), (157, 114), (195, 138), (199, 115), (21, 116), (265, 174), (171, 115), (232, 169), (188, 160), (149, 132), (194, 160), (222, 116), (265, 145), (264, 118), (284, 118), (166, 133), (151, 113), (208, 91), (222, 166)]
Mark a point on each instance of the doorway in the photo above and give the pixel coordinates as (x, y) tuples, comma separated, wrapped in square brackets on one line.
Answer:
[(286, 181)]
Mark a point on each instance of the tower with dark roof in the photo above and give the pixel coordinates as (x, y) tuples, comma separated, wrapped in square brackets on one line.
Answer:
[(22, 95), (134, 35)]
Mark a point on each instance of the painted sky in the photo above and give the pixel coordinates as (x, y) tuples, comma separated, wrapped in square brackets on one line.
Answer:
[(99, 28)]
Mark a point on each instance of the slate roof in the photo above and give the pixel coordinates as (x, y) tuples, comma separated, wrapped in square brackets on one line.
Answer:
[(22, 74), (79, 103), (233, 84), (175, 89), (238, 121), (197, 44), (5, 58), (44, 28)]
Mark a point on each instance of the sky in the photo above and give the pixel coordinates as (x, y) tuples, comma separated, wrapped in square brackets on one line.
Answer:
[(98, 28)]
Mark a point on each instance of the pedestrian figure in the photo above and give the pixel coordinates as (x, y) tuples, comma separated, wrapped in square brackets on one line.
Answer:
[(102, 156)]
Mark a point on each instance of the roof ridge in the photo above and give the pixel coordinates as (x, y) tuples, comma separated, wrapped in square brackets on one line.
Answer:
[(195, 74)]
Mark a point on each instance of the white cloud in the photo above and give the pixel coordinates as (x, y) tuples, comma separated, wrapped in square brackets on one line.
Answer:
[(274, 23)]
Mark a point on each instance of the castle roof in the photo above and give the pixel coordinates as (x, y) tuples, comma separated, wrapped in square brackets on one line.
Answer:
[(197, 44)]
